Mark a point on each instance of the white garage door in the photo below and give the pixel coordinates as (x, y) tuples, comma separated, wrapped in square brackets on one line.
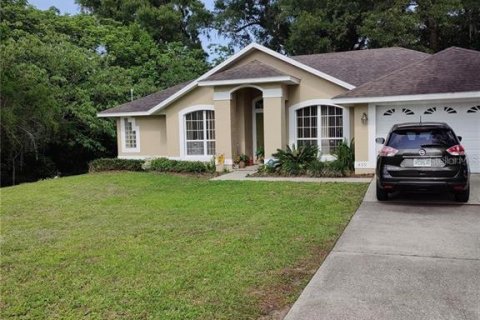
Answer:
[(464, 120)]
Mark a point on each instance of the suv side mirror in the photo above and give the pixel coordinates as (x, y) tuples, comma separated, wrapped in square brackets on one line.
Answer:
[(380, 140), (459, 138)]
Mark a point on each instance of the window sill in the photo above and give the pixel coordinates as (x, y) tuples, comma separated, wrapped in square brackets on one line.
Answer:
[(198, 158)]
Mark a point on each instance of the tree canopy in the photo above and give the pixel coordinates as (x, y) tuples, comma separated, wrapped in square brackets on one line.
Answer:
[(58, 71), (164, 20), (315, 26)]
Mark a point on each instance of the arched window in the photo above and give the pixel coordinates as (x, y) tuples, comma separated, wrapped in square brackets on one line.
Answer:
[(320, 125), (200, 133)]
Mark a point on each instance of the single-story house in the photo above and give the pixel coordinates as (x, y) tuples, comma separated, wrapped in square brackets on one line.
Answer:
[(259, 98)]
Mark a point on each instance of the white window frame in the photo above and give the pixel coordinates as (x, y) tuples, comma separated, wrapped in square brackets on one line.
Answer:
[(182, 133), (123, 132), (317, 102)]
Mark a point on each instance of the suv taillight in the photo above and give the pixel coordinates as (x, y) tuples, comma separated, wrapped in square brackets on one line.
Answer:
[(388, 151), (456, 150)]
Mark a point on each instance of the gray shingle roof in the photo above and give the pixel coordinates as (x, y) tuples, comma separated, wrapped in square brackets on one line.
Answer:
[(451, 70), (146, 103), (361, 66), (252, 70), (375, 72)]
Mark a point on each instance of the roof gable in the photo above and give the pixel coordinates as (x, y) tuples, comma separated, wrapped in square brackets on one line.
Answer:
[(222, 66), (251, 70)]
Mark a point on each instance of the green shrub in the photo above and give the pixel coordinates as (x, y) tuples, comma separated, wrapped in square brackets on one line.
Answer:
[(295, 161), (109, 164), (268, 168), (319, 168), (316, 168), (211, 167), (167, 165), (345, 155)]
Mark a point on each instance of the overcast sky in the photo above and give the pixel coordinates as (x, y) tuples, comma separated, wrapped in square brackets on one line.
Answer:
[(69, 6)]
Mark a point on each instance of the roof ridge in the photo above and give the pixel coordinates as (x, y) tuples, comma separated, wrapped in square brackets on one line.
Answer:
[(359, 50), (457, 48)]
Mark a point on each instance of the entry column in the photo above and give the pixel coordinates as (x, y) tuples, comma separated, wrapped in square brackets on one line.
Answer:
[(274, 123), (224, 110)]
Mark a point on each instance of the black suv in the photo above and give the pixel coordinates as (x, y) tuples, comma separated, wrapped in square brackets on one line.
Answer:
[(422, 157)]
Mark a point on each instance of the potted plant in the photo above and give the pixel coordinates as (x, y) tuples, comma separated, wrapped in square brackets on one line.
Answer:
[(243, 160), (260, 154)]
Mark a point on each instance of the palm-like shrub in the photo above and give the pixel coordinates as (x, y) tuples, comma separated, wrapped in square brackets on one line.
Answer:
[(345, 155), (295, 161)]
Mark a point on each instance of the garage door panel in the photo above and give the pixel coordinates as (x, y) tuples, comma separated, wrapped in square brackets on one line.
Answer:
[(464, 120)]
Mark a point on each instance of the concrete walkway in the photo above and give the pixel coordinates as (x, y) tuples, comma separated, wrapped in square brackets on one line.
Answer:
[(242, 175), (406, 259)]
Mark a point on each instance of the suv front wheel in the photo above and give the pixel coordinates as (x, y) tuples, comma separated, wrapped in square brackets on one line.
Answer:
[(382, 195)]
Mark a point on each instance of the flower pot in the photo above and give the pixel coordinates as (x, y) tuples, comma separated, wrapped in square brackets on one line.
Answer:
[(241, 164)]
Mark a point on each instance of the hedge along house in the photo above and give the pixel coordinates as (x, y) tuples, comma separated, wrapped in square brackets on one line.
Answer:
[(259, 98)]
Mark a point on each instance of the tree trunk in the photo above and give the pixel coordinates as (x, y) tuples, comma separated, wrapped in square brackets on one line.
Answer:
[(433, 29), (13, 171)]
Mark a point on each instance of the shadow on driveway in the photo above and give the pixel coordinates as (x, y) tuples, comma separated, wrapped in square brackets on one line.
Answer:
[(428, 198)]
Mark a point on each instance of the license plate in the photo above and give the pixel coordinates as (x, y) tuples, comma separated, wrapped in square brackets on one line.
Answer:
[(422, 162)]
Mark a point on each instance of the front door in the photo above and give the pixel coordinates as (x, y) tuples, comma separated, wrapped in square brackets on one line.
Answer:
[(258, 142)]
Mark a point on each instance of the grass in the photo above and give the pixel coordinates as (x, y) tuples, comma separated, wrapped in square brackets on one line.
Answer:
[(151, 246)]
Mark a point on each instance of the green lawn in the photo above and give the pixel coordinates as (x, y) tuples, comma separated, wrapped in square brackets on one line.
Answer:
[(150, 246)]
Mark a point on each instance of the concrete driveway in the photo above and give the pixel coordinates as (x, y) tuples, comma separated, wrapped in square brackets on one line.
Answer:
[(417, 257)]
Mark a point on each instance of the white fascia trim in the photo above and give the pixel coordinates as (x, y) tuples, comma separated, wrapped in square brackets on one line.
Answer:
[(239, 54), (122, 114), (406, 98), (272, 93), (194, 83), (304, 67), (234, 57), (222, 95), (287, 79), (266, 93)]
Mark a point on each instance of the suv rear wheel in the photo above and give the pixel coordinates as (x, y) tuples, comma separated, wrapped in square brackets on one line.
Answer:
[(463, 196), (382, 195)]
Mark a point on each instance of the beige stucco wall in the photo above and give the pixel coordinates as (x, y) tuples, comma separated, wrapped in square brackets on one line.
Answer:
[(198, 96), (160, 136), (224, 128), (361, 138), (153, 139), (275, 132)]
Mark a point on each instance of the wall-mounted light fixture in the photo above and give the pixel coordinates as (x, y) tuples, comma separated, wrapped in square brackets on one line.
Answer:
[(364, 118)]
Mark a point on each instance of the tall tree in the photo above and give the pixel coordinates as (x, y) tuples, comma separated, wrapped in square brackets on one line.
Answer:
[(58, 71), (245, 21), (313, 26), (165, 20)]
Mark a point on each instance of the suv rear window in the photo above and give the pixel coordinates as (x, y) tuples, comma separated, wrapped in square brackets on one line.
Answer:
[(421, 138)]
